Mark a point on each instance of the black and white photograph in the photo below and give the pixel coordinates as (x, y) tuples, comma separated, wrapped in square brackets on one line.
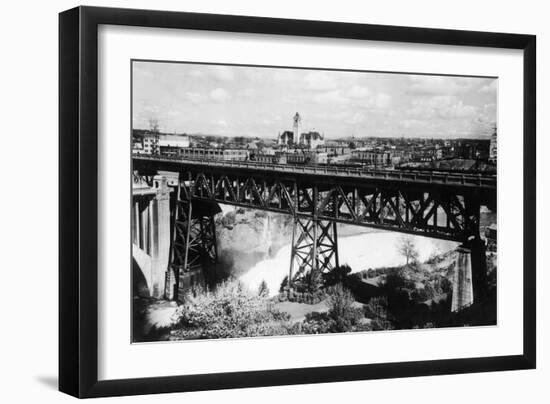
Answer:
[(277, 201)]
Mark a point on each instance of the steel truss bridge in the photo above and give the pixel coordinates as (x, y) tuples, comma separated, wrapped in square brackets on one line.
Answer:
[(434, 204)]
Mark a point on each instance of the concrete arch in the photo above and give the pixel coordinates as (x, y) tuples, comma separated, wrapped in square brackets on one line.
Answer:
[(141, 272)]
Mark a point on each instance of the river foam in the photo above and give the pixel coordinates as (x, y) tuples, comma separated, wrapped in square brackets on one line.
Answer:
[(360, 252)]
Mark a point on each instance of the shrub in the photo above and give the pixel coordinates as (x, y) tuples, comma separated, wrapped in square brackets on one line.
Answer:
[(380, 324), (229, 219), (446, 286), (340, 301), (377, 307), (336, 275), (284, 284), (342, 315), (342, 309), (311, 282), (317, 323), (263, 289), (229, 311)]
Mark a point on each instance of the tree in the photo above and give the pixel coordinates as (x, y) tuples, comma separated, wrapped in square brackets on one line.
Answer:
[(337, 275), (407, 248), (284, 284), (263, 289), (342, 310)]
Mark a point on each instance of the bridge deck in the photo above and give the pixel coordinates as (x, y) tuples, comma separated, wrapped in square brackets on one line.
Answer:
[(480, 181)]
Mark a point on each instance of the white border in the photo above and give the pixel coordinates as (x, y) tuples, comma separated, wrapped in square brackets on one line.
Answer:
[(119, 359)]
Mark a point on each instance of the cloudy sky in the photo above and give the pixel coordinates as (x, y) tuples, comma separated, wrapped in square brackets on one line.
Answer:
[(257, 101)]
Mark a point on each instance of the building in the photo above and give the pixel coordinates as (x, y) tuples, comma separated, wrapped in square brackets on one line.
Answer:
[(207, 153), (168, 140), (493, 148), (269, 158), (171, 151), (299, 156), (319, 158), (137, 146), (341, 159), (333, 151), (263, 158), (372, 157), (296, 123), (311, 140), (151, 143), (286, 138)]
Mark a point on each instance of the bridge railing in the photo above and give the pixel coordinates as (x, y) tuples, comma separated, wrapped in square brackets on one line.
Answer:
[(401, 175)]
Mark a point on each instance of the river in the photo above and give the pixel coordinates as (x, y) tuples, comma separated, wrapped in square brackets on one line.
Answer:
[(360, 251)]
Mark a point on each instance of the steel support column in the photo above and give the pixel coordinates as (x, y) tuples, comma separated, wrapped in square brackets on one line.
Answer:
[(314, 249), (194, 247)]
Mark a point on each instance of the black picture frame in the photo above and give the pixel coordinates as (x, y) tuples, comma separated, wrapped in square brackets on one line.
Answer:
[(78, 206)]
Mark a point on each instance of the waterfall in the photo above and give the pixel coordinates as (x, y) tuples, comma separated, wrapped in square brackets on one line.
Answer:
[(266, 235), (361, 251)]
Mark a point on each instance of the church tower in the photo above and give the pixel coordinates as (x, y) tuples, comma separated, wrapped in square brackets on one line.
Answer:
[(297, 121)]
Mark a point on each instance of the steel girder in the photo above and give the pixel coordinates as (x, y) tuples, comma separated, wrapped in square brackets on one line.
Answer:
[(428, 211)]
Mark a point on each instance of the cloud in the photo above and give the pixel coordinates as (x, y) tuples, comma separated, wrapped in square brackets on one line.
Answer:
[(489, 88), (283, 75), (412, 124), (441, 106), (219, 95), (193, 97), (247, 92), (337, 103), (358, 92), (222, 73), (196, 74), (382, 100), (253, 74), (356, 118), (141, 71), (320, 81), (330, 97), (438, 85), (151, 109)]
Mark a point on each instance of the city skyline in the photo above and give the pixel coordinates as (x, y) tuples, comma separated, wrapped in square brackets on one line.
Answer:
[(260, 102)]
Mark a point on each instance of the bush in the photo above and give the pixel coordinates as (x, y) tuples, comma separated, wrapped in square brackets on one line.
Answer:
[(263, 289), (446, 286), (230, 311), (379, 324), (284, 284), (340, 302), (229, 219), (342, 315), (317, 323), (377, 307), (342, 309), (311, 282), (336, 275)]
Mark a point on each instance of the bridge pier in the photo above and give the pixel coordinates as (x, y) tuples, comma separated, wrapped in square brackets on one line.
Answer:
[(151, 233), (314, 249), (463, 294), (470, 276), (478, 251)]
